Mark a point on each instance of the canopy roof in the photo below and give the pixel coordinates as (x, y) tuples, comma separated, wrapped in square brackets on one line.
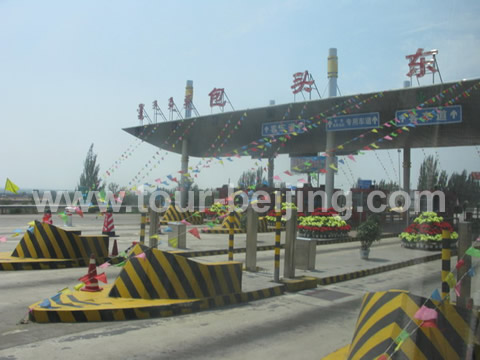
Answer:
[(238, 129)]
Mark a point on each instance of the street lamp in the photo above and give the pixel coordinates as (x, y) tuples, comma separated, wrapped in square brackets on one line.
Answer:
[(399, 170)]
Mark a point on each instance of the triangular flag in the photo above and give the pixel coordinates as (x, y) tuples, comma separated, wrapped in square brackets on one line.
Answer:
[(121, 263), (167, 229), (426, 314), (351, 157), (210, 224), (471, 272), (473, 252), (436, 295), (194, 232), (387, 137), (288, 173), (154, 236), (10, 186), (458, 286), (78, 286), (276, 177), (85, 278), (79, 211), (429, 324), (101, 277), (303, 181), (45, 304), (460, 263), (173, 242), (333, 167), (31, 223), (404, 335), (141, 256), (450, 280), (104, 265), (3, 239)]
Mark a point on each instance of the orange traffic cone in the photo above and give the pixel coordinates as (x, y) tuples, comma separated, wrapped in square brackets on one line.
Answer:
[(115, 248), (91, 279)]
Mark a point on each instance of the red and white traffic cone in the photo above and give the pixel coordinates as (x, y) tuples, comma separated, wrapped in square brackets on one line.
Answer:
[(90, 280), (114, 248), (47, 217), (108, 225)]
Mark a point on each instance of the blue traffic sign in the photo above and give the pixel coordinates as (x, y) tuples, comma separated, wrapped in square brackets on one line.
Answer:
[(353, 122), (280, 128), (430, 116)]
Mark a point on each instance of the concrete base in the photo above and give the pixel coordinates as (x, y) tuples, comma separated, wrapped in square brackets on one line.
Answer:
[(305, 253), (179, 232), (299, 284)]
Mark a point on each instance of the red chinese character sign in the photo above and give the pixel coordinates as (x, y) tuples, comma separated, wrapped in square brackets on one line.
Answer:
[(140, 111), (218, 97), (172, 108), (303, 81), (420, 64)]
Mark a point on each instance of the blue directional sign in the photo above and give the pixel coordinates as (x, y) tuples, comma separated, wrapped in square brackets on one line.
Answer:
[(430, 116), (280, 128), (353, 122)]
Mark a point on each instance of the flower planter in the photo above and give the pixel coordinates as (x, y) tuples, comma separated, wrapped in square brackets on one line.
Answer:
[(364, 254)]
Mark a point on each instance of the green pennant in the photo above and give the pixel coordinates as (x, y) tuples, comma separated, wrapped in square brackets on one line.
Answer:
[(121, 264), (473, 252), (404, 335)]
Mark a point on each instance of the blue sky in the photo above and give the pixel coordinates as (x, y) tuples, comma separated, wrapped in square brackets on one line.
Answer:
[(73, 73)]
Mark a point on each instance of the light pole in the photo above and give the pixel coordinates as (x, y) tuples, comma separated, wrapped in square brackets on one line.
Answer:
[(399, 170)]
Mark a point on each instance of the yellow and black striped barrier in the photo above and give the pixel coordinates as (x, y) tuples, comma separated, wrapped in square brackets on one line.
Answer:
[(385, 315), (446, 255), (50, 247), (87, 307), (157, 284), (173, 214), (278, 224), (164, 275), (362, 273), (143, 223), (231, 219)]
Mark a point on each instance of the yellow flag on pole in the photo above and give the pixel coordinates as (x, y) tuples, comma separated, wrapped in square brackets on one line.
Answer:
[(10, 186)]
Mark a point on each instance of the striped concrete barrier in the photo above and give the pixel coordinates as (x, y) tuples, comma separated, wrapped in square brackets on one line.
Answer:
[(173, 214), (362, 273), (155, 284), (387, 317), (50, 247)]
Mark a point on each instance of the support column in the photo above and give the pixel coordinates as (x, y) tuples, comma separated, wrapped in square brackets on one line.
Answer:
[(270, 171), (330, 135), (183, 179), (465, 239), (290, 237), (406, 177), (153, 228), (252, 229)]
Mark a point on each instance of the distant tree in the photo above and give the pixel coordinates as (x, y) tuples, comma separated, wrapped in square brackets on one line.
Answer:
[(89, 179), (251, 178), (465, 187), (113, 187), (443, 180), (390, 186), (429, 174)]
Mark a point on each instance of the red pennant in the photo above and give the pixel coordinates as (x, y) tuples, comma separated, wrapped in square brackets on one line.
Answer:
[(102, 277), (85, 278), (429, 324), (79, 211), (460, 263), (194, 232)]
